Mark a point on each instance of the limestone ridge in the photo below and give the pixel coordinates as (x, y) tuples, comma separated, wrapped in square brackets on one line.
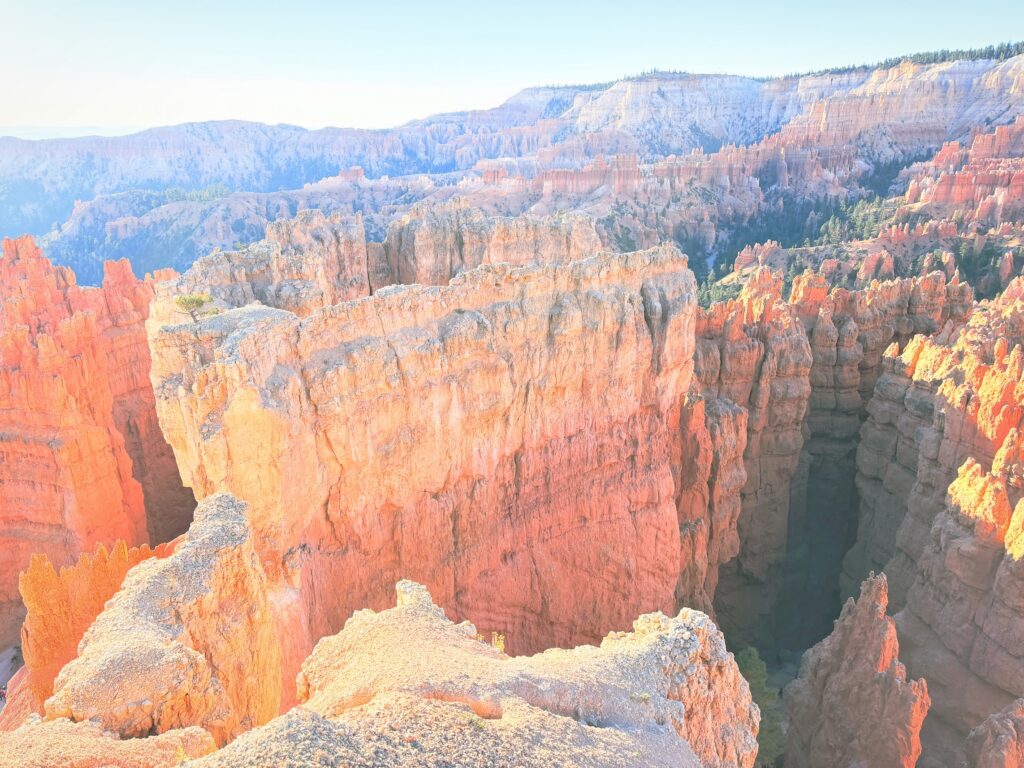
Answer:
[(493, 417), (410, 687)]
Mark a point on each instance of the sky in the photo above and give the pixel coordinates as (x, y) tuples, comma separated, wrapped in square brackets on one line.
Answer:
[(113, 66)]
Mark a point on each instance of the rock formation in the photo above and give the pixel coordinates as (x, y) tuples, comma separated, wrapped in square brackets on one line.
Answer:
[(315, 261), (188, 640), (432, 245), (82, 459), (65, 744), (852, 703), (939, 479), (984, 180), (505, 419), (999, 741), (412, 688), (60, 607), (753, 352)]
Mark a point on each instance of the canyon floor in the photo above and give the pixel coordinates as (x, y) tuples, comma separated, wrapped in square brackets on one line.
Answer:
[(675, 421)]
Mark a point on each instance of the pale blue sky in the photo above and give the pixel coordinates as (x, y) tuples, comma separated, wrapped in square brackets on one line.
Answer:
[(113, 64)]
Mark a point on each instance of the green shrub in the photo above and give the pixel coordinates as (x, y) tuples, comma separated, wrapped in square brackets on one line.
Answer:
[(771, 742)]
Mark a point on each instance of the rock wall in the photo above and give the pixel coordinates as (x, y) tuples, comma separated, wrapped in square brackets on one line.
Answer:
[(82, 460), (939, 479), (754, 353), (999, 741), (848, 332), (962, 624), (412, 688), (852, 703), (431, 245), (525, 421)]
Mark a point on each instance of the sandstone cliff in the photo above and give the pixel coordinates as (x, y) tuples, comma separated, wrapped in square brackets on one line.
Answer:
[(82, 460), (412, 688), (525, 421), (939, 480), (852, 704), (434, 244)]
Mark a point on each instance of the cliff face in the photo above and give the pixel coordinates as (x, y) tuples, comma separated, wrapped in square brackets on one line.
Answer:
[(433, 245), (939, 480), (525, 421), (852, 703), (83, 460), (315, 261), (848, 332), (754, 353), (804, 372), (412, 688)]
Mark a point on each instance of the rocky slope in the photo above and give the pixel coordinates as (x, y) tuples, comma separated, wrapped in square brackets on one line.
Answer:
[(83, 459), (411, 687)]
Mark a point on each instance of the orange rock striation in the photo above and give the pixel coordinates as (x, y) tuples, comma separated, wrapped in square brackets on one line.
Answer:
[(852, 703), (82, 459), (60, 607), (525, 421), (939, 478), (985, 180)]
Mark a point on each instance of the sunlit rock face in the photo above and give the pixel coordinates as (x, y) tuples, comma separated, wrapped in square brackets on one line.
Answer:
[(852, 703), (83, 459), (503, 439), (939, 479), (984, 179), (412, 688), (60, 605)]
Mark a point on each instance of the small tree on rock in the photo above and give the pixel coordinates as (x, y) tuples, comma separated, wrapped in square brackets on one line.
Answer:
[(192, 304)]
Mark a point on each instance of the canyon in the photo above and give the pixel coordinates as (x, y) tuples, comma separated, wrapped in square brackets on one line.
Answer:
[(485, 462)]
